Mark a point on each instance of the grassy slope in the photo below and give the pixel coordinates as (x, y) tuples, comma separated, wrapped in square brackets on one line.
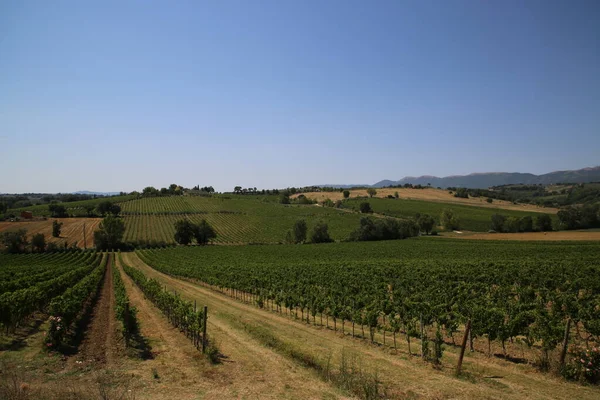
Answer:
[(471, 218)]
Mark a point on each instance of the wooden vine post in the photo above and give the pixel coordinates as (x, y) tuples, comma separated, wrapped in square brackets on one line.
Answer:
[(463, 347), (563, 353), (204, 341)]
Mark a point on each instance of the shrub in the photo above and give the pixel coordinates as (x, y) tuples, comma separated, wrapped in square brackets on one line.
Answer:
[(365, 207), (320, 233)]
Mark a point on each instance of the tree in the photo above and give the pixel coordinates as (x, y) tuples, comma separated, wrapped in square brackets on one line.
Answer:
[(149, 191), (57, 210), (89, 210), (543, 222), (3, 208), (203, 232), (38, 242), (106, 207), (346, 194), (449, 220), (513, 224), (184, 231), (299, 231), (365, 207), (371, 192), (110, 233), (498, 221), (396, 195), (284, 198), (426, 223), (14, 241), (320, 233), (526, 224), (56, 227)]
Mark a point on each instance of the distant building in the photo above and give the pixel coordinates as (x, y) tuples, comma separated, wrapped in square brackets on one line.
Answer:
[(26, 214)]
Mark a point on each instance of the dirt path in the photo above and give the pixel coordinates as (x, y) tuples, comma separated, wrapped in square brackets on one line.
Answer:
[(401, 375), (248, 370), (99, 346)]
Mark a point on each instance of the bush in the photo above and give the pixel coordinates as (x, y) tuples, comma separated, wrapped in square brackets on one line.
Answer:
[(299, 231), (320, 233), (449, 220), (489, 200), (384, 229), (365, 207)]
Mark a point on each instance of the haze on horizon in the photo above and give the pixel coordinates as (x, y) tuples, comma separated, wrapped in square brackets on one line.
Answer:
[(115, 96)]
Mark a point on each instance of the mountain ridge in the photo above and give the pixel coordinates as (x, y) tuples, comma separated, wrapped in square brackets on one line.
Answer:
[(484, 180)]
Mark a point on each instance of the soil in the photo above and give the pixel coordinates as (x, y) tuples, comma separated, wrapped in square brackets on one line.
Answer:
[(99, 346)]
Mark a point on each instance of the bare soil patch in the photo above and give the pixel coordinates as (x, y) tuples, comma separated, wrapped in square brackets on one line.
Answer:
[(99, 346), (71, 232), (432, 194)]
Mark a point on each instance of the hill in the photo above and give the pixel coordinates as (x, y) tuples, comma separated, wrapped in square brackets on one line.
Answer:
[(488, 179)]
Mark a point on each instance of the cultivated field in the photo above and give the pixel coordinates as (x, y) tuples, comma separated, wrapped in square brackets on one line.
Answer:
[(432, 195), (72, 230), (296, 321)]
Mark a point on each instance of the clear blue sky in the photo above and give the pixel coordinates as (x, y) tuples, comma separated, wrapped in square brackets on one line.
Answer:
[(112, 96)]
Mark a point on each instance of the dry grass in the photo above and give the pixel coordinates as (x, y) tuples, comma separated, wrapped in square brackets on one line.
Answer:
[(435, 195), (551, 236), (72, 229)]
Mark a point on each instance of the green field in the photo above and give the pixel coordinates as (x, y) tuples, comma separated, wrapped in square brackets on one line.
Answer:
[(237, 219), (506, 289), (471, 218)]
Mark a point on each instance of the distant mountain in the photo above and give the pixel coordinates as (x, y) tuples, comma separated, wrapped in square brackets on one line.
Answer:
[(97, 193), (488, 179)]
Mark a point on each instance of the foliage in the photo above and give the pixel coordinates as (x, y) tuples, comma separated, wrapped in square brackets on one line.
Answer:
[(203, 232), (384, 229), (56, 228), (543, 223), (320, 233), (14, 241), (583, 217), (124, 311), (365, 207), (449, 220), (110, 233), (107, 207), (584, 364), (371, 192), (346, 194), (284, 198), (299, 231), (184, 231), (507, 289), (498, 221), (181, 313), (38, 242), (426, 223), (57, 210)]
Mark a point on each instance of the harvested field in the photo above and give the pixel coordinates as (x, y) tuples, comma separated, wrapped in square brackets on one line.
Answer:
[(552, 236), (431, 194), (72, 229)]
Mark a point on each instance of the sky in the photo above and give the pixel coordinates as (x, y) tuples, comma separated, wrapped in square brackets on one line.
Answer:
[(119, 95)]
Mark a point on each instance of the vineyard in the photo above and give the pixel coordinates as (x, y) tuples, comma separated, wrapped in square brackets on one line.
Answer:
[(236, 220), (471, 218), (74, 208), (521, 291)]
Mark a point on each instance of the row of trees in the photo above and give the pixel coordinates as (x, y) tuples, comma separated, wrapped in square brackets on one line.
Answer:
[(584, 217), (501, 223), (319, 233), (186, 232)]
